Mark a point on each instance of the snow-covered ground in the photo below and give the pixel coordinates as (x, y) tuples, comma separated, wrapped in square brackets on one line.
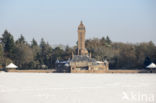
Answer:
[(77, 88)]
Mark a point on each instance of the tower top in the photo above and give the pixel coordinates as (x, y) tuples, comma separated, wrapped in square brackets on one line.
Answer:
[(81, 26), (81, 22)]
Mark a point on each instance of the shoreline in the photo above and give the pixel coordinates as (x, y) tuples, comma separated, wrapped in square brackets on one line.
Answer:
[(82, 71)]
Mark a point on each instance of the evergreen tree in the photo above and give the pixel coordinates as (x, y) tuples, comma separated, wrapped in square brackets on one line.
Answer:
[(8, 44), (147, 61), (67, 53), (45, 55), (34, 43), (108, 40), (21, 40), (103, 41)]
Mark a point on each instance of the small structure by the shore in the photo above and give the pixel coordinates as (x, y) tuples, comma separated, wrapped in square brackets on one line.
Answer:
[(11, 66), (152, 67)]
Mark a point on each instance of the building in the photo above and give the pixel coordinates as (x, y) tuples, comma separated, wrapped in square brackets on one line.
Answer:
[(11, 66), (82, 61), (62, 66), (81, 40)]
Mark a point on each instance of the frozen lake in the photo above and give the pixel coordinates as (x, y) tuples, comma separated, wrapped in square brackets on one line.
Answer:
[(77, 88)]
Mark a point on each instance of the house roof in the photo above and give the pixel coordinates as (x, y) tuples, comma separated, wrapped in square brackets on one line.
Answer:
[(152, 65), (11, 65)]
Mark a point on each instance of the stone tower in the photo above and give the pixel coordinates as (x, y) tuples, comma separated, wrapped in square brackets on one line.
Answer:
[(81, 40)]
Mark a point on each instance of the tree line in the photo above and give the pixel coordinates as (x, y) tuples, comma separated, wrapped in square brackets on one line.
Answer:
[(30, 55), (122, 55), (43, 56)]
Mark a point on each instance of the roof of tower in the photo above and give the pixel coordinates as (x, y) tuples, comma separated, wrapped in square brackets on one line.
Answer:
[(81, 26)]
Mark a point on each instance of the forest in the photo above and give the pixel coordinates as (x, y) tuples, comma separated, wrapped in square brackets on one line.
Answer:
[(42, 55)]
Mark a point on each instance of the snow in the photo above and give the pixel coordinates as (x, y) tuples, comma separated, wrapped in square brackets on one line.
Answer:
[(77, 88)]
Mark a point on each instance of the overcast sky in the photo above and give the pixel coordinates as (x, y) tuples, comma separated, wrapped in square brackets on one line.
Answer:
[(57, 20)]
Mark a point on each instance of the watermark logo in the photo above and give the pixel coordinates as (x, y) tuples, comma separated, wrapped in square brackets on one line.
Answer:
[(138, 97)]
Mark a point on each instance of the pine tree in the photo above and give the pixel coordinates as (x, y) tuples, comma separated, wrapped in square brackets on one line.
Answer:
[(8, 44), (108, 40), (21, 40), (34, 43)]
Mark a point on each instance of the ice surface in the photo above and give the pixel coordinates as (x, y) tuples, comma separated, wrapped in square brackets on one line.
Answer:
[(77, 88)]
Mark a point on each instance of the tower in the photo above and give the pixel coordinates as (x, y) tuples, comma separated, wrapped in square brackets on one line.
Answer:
[(81, 40)]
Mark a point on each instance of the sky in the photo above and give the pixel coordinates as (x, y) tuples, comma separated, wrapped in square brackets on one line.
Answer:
[(56, 21)]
